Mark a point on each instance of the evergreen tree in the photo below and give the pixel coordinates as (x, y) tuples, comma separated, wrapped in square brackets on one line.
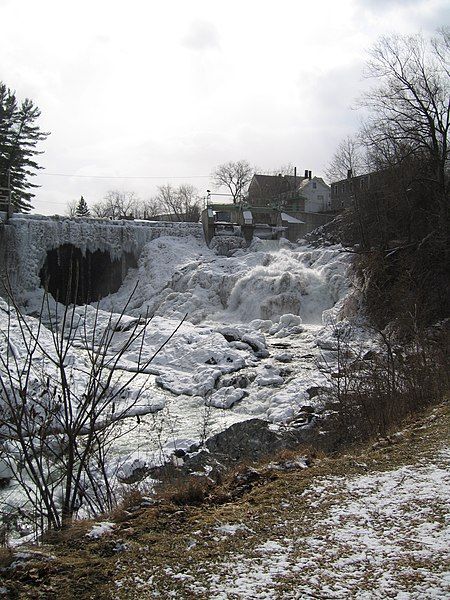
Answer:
[(82, 209), (19, 136)]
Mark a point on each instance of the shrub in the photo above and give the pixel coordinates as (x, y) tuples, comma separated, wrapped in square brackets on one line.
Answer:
[(372, 392), (59, 414)]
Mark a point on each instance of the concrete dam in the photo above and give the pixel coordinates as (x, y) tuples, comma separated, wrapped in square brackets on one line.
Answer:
[(78, 260)]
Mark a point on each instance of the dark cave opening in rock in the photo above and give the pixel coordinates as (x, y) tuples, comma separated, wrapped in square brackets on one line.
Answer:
[(74, 278)]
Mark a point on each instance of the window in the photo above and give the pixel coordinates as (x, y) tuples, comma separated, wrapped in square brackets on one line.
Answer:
[(314, 185)]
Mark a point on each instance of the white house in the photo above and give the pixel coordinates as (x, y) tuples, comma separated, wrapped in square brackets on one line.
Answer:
[(317, 194)]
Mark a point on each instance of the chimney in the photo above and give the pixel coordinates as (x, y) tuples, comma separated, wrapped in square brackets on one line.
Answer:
[(306, 174), (309, 174), (349, 174)]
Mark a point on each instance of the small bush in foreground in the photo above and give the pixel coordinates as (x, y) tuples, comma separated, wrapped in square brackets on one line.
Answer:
[(192, 490), (376, 390)]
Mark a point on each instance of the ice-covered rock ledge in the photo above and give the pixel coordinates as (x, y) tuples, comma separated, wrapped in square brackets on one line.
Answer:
[(248, 441), (26, 239)]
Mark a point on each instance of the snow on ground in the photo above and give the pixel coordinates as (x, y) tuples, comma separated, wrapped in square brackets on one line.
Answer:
[(380, 535), (100, 529)]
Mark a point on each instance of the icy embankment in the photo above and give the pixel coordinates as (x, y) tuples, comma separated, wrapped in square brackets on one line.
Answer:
[(29, 238), (260, 310), (248, 347)]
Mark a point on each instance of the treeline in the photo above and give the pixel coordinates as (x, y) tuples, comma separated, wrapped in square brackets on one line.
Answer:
[(176, 203), (181, 203), (400, 222)]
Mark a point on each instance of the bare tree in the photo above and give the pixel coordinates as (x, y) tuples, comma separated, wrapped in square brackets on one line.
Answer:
[(410, 108), (71, 208), (147, 209), (168, 201), (235, 176), (347, 158), (59, 414), (116, 205), (180, 203), (189, 200), (400, 217)]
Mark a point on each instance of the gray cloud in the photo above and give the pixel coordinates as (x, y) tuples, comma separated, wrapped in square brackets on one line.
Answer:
[(202, 35), (381, 5), (429, 19)]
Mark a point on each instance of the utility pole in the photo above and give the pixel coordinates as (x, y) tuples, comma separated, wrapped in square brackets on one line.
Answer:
[(5, 193), (9, 208)]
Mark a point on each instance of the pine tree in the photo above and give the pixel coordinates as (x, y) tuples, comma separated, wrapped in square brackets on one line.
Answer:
[(19, 136), (82, 209)]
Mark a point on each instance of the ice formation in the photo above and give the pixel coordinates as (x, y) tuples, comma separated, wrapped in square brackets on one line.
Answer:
[(249, 345), (179, 276), (28, 238)]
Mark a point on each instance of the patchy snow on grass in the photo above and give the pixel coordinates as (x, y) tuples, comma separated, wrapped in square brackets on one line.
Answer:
[(392, 528), (380, 535), (231, 529), (256, 578), (100, 529)]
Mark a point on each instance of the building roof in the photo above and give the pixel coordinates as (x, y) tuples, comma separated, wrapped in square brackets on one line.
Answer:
[(356, 177), (272, 185), (290, 218), (305, 182)]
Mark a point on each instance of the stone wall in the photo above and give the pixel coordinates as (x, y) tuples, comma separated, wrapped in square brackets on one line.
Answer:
[(25, 241)]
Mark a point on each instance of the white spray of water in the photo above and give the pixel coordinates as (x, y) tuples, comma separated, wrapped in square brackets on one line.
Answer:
[(179, 276)]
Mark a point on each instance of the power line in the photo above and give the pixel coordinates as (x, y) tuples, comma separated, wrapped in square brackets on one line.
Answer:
[(128, 176)]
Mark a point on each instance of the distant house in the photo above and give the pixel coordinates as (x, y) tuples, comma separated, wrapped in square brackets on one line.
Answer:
[(317, 195), (344, 192), (275, 190), (291, 193)]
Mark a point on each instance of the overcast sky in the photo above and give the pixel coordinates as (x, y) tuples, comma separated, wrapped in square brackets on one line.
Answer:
[(140, 93)]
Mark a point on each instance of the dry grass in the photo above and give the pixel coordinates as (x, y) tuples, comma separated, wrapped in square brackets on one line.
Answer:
[(6, 557), (184, 491), (181, 534)]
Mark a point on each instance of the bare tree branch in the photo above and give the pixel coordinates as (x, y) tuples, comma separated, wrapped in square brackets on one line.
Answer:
[(235, 176)]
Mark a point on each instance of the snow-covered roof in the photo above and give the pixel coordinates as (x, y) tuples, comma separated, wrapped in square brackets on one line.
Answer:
[(290, 218), (248, 217)]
